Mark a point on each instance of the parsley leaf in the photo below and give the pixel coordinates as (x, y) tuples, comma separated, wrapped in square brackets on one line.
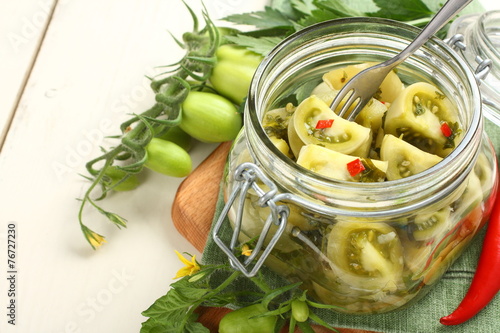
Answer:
[(171, 312), (402, 10), (317, 16), (285, 7), (339, 8), (304, 6), (269, 18), (261, 45)]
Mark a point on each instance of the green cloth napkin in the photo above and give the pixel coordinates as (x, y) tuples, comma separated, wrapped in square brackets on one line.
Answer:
[(423, 316)]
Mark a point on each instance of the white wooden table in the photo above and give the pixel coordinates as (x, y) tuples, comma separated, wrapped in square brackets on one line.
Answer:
[(70, 71)]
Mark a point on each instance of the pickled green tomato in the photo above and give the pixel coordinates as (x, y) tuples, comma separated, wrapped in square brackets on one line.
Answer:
[(390, 88), (168, 158), (404, 160), (371, 116), (209, 117), (342, 136), (367, 256), (333, 164), (418, 115)]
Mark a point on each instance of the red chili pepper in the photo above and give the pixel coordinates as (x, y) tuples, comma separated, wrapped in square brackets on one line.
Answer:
[(326, 123), (486, 282), (355, 167), (446, 130)]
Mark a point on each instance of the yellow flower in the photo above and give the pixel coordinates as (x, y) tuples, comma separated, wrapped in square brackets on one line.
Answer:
[(93, 238), (190, 268), (96, 240), (246, 250)]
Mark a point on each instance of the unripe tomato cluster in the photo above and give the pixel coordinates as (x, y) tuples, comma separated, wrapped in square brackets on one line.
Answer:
[(209, 115)]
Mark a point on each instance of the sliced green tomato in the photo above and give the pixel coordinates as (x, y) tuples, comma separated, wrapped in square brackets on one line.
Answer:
[(404, 159), (324, 92), (294, 140), (282, 146), (388, 90), (343, 136), (431, 225), (416, 254), (370, 116), (484, 172), (471, 197), (334, 165), (368, 256), (275, 122), (418, 114)]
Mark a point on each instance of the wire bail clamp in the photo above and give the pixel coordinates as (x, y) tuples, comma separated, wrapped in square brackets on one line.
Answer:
[(247, 176)]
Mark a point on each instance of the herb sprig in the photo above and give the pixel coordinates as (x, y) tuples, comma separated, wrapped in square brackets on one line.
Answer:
[(284, 17), (176, 310)]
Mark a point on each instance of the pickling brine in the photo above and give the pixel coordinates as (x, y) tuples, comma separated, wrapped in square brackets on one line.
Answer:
[(376, 209)]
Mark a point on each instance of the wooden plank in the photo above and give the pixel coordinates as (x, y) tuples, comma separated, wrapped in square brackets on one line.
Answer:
[(23, 24)]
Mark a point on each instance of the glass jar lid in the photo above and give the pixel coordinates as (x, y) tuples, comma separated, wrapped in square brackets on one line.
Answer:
[(477, 40)]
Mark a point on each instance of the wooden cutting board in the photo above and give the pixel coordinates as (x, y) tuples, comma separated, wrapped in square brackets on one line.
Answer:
[(192, 213)]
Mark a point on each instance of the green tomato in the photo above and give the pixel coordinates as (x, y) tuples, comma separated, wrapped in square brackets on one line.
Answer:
[(179, 137), (300, 310), (113, 179), (168, 158), (232, 74), (243, 321), (239, 55), (209, 117)]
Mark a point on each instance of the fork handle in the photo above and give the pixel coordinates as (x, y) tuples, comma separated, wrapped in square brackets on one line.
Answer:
[(443, 16)]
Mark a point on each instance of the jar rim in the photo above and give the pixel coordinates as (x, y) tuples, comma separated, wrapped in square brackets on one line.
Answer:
[(474, 128), (483, 22)]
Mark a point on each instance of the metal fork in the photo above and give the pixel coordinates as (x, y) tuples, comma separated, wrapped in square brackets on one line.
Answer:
[(366, 83)]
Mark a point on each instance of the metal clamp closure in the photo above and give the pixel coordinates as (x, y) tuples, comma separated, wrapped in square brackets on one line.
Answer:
[(484, 65), (247, 176)]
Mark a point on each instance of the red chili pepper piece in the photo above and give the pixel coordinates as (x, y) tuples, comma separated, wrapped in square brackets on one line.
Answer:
[(446, 130), (326, 123), (485, 283), (355, 167)]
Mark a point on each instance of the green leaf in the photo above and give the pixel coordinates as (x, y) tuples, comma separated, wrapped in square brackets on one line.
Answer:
[(285, 7), (321, 322), (339, 8), (269, 18), (402, 10), (317, 16), (155, 326), (305, 327), (262, 45), (304, 6), (174, 305), (276, 292)]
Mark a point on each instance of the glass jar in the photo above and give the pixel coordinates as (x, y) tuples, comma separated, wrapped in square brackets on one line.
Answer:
[(309, 228), (477, 37)]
